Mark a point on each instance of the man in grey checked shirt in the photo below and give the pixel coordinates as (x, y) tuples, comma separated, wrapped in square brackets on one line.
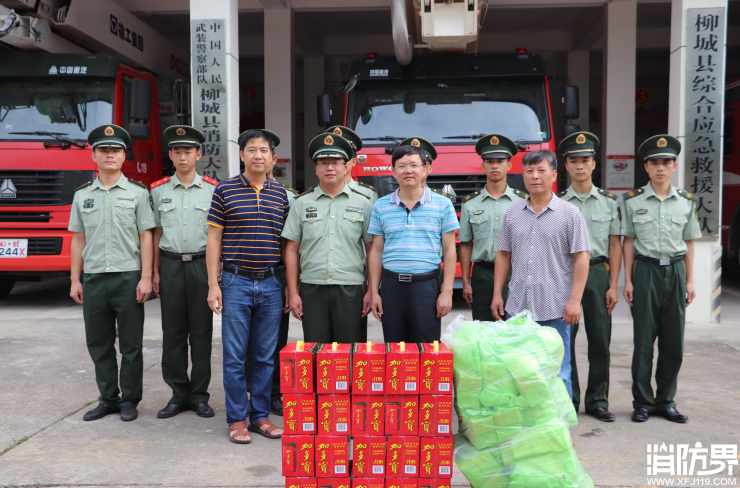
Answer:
[(544, 241)]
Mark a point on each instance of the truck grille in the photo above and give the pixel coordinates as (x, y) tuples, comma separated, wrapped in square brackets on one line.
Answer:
[(44, 246), (463, 185), (43, 187)]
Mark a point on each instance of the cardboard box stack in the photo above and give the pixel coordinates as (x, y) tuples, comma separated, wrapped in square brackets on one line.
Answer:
[(387, 407)]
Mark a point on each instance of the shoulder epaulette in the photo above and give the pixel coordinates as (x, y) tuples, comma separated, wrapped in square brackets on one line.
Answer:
[(83, 185), (308, 190), (138, 183), (633, 193), (440, 192), (608, 194), (688, 195), (210, 180), (291, 190), (367, 186), (563, 193), (160, 182), (360, 193), (471, 195), (521, 193)]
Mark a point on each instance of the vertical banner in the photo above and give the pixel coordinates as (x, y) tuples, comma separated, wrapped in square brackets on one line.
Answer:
[(210, 103), (705, 88), (620, 172)]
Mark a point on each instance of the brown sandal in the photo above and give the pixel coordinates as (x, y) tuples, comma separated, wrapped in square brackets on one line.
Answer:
[(266, 428), (239, 429)]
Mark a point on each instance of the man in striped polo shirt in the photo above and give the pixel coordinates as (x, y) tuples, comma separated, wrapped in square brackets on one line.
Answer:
[(409, 227), (246, 219)]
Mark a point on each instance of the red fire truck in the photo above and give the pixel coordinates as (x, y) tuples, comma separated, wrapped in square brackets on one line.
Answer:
[(48, 104), (451, 100)]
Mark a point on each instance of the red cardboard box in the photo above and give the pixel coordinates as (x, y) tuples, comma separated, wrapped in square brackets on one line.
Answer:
[(436, 457), (332, 368), (332, 456), (401, 368), (298, 456), (301, 483), (368, 413), (401, 483), (435, 415), (368, 456), (334, 483), (402, 414), (368, 369), (299, 414), (435, 369), (434, 483), (297, 368), (402, 459), (368, 483), (334, 415)]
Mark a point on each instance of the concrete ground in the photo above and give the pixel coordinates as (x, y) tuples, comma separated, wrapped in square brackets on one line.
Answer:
[(47, 384)]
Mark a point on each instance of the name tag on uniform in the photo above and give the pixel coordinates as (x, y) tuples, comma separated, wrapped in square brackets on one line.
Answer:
[(166, 200), (311, 209), (641, 211), (310, 215), (88, 203), (353, 209), (478, 212)]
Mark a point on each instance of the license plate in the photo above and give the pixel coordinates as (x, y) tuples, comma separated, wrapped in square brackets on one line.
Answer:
[(13, 248)]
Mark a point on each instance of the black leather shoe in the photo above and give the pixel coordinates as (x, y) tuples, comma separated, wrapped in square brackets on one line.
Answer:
[(171, 410), (276, 405), (673, 415), (98, 412), (600, 413), (640, 415), (202, 410), (129, 413)]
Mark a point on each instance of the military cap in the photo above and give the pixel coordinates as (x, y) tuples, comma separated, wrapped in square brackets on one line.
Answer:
[(579, 145), (422, 144), (183, 136), (348, 134), (109, 135), (496, 146), (330, 146), (273, 137), (660, 147)]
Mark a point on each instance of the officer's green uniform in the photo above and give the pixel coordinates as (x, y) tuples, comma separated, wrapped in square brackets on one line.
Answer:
[(481, 217), (181, 212), (111, 220), (600, 209), (660, 230), (332, 233)]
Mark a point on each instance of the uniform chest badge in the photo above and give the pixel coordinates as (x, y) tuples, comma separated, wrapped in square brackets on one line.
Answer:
[(88, 203), (126, 198), (311, 209), (166, 200), (311, 215), (478, 212), (353, 209), (641, 211)]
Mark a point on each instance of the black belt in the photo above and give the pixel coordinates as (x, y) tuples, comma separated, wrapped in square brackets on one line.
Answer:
[(252, 273), (183, 257), (599, 260), (661, 262), (408, 277), (485, 264)]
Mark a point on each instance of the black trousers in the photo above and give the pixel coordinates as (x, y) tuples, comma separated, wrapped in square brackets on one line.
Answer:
[(410, 310)]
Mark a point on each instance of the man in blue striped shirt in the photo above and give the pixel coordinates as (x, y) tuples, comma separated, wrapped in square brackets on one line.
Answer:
[(246, 219), (409, 226)]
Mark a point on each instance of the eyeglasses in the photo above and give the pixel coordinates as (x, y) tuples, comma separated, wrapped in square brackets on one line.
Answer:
[(326, 164), (414, 166)]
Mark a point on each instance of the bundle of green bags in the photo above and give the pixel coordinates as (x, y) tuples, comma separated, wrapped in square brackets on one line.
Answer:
[(514, 410)]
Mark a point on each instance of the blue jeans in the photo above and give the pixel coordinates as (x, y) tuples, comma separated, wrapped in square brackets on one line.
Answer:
[(252, 309), (564, 331)]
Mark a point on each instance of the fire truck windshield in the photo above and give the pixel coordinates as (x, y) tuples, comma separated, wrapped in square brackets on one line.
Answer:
[(69, 107), (450, 111)]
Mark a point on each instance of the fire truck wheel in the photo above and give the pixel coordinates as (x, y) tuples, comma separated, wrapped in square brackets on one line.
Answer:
[(6, 285)]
